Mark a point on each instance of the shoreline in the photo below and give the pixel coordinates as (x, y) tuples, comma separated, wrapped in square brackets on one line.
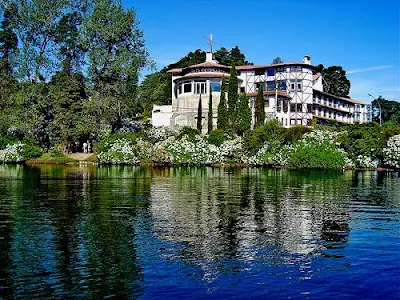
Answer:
[(217, 165)]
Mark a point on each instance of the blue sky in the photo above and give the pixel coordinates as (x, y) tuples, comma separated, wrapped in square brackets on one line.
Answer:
[(361, 36)]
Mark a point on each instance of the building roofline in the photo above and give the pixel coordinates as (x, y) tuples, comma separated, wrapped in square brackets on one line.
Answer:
[(341, 98)]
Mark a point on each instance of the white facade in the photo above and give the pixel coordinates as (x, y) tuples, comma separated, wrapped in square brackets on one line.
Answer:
[(293, 94), (161, 115)]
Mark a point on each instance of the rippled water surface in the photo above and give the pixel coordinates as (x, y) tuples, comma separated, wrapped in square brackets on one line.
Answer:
[(130, 232)]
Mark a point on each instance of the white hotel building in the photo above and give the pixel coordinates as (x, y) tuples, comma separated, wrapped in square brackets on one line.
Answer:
[(293, 94)]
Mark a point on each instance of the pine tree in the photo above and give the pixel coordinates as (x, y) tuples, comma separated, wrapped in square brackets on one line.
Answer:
[(222, 109), (199, 115), (232, 98), (244, 115), (259, 108), (210, 113)]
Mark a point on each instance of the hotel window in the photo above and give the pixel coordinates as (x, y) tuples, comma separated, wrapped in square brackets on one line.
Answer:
[(270, 72), (299, 108), (285, 106), (298, 68), (299, 85), (279, 106), (279, 69), (266, 102), (259, 71), (282, 85), (292, 107), (292, 84), (242, 90), (199, 87), (309, 108), (292, 68), (215, 86), (187, 87), (270, 85)]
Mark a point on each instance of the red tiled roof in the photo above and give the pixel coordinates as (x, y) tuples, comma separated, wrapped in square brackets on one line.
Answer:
[(269, 93), (175, 70), (250, 67), (204, 75), (208, 64)]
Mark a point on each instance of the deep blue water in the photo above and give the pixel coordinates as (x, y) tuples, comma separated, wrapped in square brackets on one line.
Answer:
[(198, 233)]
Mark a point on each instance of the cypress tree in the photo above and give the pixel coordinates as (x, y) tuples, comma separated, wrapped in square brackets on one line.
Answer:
[(210, 113), (259, 108), (199, 115), (244, 115), (222, 119), (233, 98)]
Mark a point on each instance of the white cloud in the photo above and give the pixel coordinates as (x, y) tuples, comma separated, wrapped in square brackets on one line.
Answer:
[(368, 69)]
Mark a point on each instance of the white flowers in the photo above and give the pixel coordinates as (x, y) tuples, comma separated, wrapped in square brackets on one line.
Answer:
[(316, 149), (12, 153), (392, 152), (120, 151)]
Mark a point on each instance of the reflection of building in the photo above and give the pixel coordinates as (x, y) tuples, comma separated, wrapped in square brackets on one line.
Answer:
[(293, 94)]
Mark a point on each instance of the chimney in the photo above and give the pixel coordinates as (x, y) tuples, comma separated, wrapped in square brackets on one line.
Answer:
[(307, 59)]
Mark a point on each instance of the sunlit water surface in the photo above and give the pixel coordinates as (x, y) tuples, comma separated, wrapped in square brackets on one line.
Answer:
[(78, 231)]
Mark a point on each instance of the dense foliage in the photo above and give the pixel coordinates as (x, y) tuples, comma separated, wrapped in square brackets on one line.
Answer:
[(334, 80), (267, 145), (68, 70)]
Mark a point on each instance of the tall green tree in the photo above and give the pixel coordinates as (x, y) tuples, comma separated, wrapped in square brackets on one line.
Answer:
[(228, 58), (116, 54), (334, 80), (259, 113), (199, 115), (210, 112), (244, 115), (8, 46), (277, 60), (35, 23), (388, 107), (233, 98), (222, 118)]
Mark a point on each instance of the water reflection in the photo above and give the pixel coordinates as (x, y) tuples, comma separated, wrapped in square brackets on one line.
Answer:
[(92, 232)]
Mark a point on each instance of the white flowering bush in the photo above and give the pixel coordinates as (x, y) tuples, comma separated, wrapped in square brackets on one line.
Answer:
[(192, 151), (119, 151), (364, 161), (317, 149), (391, 153), (272, 153), (18, 152), (158, 134), (232, 150), (12, 153)]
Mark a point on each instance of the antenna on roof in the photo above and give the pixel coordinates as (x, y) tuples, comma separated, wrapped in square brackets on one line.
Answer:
[(210, 42)]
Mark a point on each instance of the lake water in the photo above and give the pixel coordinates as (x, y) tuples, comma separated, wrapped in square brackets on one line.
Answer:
[(200, 233)]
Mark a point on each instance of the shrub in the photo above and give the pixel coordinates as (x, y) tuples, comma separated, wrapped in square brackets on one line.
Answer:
[(217, 137), (295, 133), (270, 131), (30, 151), (195, 151), (317, 149), (18, 152), (232, 150), (392, 152), (190, 133)]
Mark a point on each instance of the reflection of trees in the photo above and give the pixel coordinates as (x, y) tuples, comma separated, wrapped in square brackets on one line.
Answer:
[(223, 212), (73, 231)]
